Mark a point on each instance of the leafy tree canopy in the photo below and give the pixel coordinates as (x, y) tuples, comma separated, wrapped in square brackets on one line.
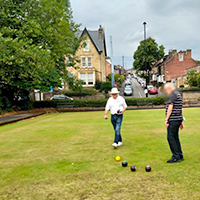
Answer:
[(154, 53), (191, 78), (35, 39)]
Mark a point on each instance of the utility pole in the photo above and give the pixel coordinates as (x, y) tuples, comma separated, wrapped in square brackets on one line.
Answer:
[(145, 49), (112, 66), (123, 64)]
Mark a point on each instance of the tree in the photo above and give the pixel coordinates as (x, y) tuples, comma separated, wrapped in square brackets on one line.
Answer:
[(109, 77), (35, 39), (154, 53), (106, 87), (75, 84), (119, 78), (191, 78), (198, 81)]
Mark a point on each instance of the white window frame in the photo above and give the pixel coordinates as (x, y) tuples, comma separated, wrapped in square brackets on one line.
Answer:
[(86, 47), (89, 62), (84, 62), (181, 57), (89, 79), (84, 79)]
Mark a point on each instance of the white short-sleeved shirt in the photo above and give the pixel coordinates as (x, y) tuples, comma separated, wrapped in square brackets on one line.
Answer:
[(116, 104)]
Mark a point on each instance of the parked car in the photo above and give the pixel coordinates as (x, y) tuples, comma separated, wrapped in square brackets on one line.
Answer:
[(153, 90), (61, 97), (128, 91), (129, 86), (127, 83), (149, 86), (143, 84)]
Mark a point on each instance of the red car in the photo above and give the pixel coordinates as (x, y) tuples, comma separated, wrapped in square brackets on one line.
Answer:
[(153, 90)]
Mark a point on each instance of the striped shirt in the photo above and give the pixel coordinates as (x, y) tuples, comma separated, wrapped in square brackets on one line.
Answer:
[(177, 101)]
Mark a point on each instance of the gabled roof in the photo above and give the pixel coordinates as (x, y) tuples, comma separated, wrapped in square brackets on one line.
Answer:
[(100, 44)]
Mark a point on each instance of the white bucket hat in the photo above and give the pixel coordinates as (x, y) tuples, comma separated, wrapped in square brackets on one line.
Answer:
[(114, 91)]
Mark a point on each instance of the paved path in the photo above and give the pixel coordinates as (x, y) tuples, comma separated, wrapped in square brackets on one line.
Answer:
[(15, 118)]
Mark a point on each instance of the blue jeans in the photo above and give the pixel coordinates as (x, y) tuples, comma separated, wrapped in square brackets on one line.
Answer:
[(173, 139), (116, 121)]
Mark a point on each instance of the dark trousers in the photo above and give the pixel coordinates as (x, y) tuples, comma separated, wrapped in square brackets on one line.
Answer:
[(116, 121), (173, 139)]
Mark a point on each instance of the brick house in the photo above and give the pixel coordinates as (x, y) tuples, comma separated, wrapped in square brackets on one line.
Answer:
[(92, 55), (173, 66)]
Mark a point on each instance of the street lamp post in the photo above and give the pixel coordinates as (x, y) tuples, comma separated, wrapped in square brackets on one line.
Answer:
[(145, 49)]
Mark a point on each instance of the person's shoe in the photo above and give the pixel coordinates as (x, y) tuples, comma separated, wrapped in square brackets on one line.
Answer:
[(174, 160), (120, 144), (182, 158), (115, 145)]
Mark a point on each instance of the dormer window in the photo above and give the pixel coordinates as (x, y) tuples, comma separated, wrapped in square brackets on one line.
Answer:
[(86, 46), (180, 57)]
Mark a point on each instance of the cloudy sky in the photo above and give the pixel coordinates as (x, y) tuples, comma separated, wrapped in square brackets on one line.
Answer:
[(173, 23)]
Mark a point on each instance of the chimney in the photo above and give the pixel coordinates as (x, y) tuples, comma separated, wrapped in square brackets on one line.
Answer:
[(174, 52), (189, 53), (100, 32), (170, 53)]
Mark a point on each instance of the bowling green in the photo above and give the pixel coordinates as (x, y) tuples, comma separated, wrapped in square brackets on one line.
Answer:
[(69, 156)]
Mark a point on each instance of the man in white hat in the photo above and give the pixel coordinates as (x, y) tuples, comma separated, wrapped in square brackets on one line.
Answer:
[(117, 105)]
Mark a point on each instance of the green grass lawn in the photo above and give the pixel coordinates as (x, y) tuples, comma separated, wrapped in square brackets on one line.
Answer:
[(69, 156)]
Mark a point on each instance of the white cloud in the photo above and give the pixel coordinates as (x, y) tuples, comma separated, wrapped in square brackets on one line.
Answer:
[(173, 23)]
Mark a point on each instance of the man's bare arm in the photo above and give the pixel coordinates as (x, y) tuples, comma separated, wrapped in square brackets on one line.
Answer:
[(169, 112)]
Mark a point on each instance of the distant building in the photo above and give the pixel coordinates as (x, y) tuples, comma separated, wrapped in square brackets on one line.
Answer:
[(173, 66), (118, 69), (130, 71), (92, 55), (181, 80)]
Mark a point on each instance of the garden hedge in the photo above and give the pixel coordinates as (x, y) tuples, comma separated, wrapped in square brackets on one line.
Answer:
[(84, 92), (28, 105), (191, 89)]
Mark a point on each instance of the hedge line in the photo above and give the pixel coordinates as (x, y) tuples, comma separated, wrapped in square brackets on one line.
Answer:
[(192, 89), (28, 105), (84, 92)]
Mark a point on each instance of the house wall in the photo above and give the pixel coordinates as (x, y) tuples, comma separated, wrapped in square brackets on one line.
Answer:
[(108, 68), (98, 63), (103, 66), (181, 80), (175, 68)]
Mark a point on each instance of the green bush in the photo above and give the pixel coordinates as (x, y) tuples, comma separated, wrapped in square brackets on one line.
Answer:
[(106, 87), (84, 92), (90, 103), (182, 86), (146, 101), (189, 89), (25, 105), (198, 81), (101, 102), (191, 78), (45, 104), (98, 85)]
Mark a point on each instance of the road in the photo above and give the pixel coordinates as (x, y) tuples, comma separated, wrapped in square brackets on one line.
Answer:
[(138, 91)]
